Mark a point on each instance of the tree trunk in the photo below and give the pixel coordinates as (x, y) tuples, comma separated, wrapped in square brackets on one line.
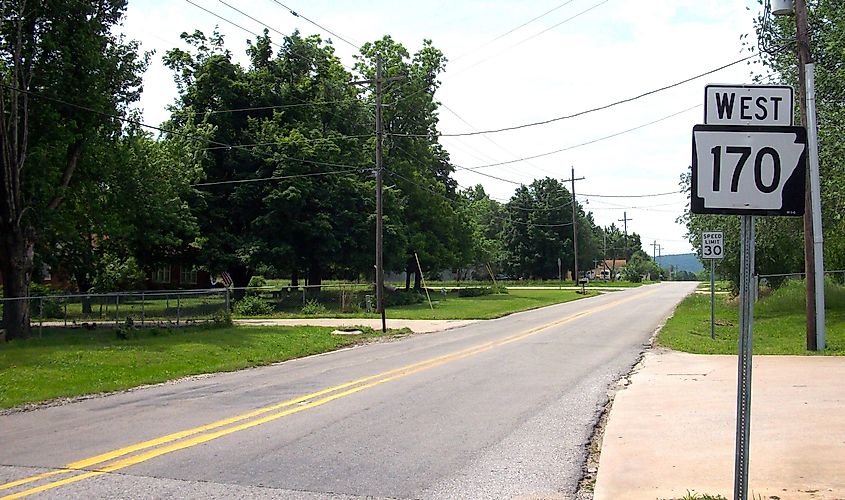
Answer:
[(294, 278), (409, 269), (417, 280), (315, 275), (84, 285), (17, 257)]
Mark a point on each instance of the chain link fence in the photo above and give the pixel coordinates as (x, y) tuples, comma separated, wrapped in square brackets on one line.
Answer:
[(307, 299), (768, 282), (148, 308)]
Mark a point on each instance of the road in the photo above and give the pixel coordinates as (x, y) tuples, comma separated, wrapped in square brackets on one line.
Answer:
[(495, 409)]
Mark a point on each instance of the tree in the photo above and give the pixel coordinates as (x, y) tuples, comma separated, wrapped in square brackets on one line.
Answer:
[(538, 230), (64, 77), (297, 120), (827, 30), (433, 217)]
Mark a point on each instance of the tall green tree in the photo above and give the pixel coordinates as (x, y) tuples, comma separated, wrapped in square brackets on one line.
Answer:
[(64, 75), (299, 196), (538, 230), (434, 218)]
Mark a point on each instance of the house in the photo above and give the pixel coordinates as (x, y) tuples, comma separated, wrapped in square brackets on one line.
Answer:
[(605, 269), (177, 276)]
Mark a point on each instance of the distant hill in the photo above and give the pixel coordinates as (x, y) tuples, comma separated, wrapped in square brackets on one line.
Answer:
[(681, 262)]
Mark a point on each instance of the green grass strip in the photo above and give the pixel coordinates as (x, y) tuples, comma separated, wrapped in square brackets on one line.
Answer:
[(67, 363), (779, 323)]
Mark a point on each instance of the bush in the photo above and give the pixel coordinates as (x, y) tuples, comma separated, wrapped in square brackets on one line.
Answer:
[(257, 281), (312, 306), (401, 298), (252, 306), (475, 291), (222, 317), (499, 289)]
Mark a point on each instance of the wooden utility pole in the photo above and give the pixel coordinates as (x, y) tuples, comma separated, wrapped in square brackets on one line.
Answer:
[(379, 204), (574, 224), (625, 220), (379, 278), (804, 58)]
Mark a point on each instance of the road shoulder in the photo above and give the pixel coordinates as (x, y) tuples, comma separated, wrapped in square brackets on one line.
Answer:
[(672, 429)]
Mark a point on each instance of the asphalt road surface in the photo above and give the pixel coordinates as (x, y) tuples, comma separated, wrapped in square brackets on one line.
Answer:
[(496, 409)]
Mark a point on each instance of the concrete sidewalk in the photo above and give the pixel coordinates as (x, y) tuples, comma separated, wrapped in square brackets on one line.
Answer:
[(673, 429), (415, 325)]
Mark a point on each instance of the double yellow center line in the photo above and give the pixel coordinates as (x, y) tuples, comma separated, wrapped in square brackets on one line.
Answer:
[(140, 452)]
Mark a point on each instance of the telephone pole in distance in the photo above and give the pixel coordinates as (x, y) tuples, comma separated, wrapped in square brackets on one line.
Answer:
[(574, 224)]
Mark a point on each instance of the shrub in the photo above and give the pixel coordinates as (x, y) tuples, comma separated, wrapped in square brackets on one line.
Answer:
[(256, 281), (222, 317), (312, 306), (401, 298), (475, 291), (252, 306), (499, 289)]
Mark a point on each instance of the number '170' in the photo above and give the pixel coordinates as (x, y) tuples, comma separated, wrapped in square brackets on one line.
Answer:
[(744, 153)]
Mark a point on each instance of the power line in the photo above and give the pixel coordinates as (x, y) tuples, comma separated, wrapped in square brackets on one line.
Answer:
[(281, 143), (275, 178), (531, 37), (296, 14), (165, 131), (591, 110), (593, 141), (292, 53), (526, 23), (631, 195)]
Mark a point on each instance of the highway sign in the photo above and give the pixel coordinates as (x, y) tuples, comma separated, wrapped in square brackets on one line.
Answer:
[(748, 105), (712, 245), (748, 170)]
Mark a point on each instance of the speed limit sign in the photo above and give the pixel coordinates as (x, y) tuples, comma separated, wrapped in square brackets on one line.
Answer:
[(712, 245)]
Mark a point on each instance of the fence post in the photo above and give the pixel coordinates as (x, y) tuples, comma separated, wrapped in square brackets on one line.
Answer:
[(228, 304), (143, 312), (41, 318), (65, 311), (178, 308)]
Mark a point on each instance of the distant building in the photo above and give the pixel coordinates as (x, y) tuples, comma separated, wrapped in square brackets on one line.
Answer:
[(177, 276)]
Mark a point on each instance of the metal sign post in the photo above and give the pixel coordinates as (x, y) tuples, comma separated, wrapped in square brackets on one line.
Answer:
[(747, 160), (712, 247), (743, 390), (712, 299)]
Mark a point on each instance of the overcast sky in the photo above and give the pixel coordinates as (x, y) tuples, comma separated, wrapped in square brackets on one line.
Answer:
[(581, 55)]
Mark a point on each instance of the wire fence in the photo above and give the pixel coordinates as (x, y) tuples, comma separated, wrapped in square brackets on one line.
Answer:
[(310, 299), (143, 308), (773, 281)]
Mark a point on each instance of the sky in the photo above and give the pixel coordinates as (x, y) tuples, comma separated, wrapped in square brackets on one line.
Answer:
[(576, 55)]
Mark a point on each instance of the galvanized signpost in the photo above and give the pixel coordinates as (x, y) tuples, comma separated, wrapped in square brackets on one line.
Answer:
[(747, 160), (712, 247)]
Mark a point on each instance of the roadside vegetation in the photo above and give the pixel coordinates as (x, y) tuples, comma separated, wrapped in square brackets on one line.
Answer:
[(472, 303), (779, 323), (66, 363)]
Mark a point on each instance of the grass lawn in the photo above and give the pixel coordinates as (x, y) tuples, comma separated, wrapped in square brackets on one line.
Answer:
[(453, 307), (779, 323), (68, 363), (485, 306)]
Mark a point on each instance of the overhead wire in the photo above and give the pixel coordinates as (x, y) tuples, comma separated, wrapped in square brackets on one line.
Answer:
[(166, 131), (526, 23), (477, 63), (587, 143), (590, 110), (296, 14)]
